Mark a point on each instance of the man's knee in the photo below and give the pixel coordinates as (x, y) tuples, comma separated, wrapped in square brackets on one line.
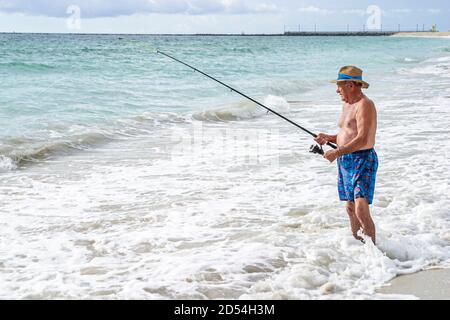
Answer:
[(361, 205), (350, 207), (362, 209)]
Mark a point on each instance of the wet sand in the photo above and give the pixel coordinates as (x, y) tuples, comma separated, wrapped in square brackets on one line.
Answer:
[(431, 284)]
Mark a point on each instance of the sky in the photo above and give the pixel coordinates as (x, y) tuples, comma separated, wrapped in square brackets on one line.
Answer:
[(220, 16)]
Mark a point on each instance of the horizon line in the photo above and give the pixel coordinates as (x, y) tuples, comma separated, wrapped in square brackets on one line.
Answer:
[(287, 33)]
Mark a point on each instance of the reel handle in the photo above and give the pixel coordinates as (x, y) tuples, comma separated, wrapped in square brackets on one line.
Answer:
[(317, 149)]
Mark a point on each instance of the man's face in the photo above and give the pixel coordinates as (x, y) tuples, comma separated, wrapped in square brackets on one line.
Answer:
[(344, 89)]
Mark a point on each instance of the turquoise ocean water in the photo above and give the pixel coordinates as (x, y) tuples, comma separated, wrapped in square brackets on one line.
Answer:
[(56, 87), (117, 179)]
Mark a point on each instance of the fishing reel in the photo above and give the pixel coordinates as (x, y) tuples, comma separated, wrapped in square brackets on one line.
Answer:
[(316, 149)]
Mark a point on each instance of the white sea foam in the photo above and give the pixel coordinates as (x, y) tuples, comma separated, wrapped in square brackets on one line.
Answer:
[(7, 164), (436, 66), (125, 222)]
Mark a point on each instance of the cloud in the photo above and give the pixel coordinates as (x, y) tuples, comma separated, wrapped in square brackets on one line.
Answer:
[(400, 10), (434, 11), (358, 12), (313, 9), (110, 8)]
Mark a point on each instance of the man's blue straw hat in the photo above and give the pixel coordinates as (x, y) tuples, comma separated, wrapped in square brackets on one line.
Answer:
[(351, 73)]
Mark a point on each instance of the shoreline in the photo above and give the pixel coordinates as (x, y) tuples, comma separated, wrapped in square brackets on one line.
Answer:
[(431, 284), (423, 34)]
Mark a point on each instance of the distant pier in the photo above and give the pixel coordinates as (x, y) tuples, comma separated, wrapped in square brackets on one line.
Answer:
[(312, 34), (339, 33)]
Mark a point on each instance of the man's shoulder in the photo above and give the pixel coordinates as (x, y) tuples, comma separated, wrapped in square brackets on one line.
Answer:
[(366, 103)]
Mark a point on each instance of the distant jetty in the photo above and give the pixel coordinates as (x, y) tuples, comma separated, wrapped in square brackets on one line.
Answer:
[(304, 34), (339, 33)]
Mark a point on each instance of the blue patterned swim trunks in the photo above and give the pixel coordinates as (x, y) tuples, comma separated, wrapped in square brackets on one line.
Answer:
[(357, 175)]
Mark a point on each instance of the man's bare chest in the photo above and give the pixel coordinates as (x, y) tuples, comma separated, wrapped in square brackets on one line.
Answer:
[(348, 117)]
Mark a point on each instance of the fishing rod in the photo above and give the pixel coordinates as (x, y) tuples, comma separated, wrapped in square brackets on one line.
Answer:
[(316, 149)]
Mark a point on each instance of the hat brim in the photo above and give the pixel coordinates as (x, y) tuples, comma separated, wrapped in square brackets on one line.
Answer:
[(365, 85)]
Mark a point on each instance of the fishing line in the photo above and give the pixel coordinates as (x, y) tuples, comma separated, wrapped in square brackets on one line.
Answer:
[(314, 149)]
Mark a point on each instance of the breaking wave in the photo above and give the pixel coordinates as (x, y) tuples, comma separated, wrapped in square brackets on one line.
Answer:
[(244, 110), (12, 158), (16, 152)]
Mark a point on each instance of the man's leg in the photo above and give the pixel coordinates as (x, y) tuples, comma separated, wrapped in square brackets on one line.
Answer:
[(354, 222), (362, 212)]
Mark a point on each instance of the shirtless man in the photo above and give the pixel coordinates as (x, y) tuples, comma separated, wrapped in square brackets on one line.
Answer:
[(357, 159)]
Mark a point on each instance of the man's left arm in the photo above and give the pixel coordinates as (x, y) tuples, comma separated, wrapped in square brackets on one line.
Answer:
[(365, 116)]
